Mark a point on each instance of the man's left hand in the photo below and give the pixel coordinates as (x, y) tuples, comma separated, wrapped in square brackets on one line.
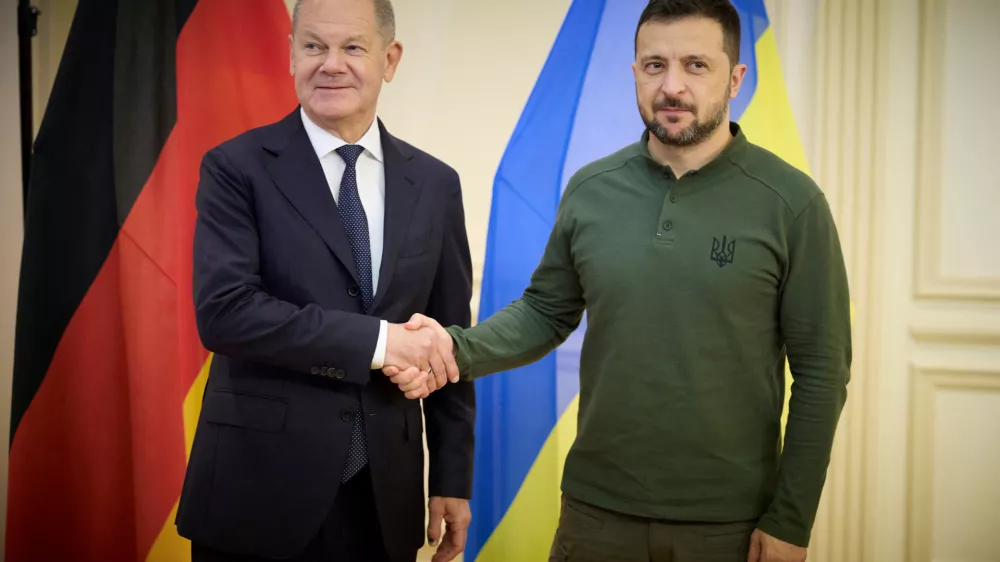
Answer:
[(765, 548), (456, 515)]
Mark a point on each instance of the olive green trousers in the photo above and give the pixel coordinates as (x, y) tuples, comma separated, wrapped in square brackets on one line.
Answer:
[(591, 534)]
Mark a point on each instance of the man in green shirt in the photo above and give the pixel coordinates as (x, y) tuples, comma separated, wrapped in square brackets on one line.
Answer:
[(702, 261)]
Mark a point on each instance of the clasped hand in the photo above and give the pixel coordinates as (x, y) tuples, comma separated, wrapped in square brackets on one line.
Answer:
[(419, 357)]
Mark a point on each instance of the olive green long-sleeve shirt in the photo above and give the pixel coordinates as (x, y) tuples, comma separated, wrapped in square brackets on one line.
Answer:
[(696, 289)]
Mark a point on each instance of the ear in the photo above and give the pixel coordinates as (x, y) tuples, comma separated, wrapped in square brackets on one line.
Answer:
[(736, 79), (291, 55), (393, 54)]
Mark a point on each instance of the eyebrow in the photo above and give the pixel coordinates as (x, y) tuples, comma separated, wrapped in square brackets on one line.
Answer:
[(310, 36), (661, 58)]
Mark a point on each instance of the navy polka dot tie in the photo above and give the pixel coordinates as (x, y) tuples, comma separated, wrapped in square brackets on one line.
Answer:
[(352, 213)]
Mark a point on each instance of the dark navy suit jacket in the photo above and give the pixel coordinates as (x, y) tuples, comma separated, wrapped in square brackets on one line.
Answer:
[(277, 301)]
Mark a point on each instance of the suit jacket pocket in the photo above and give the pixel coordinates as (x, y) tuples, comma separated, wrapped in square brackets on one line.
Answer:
[(414, 249), (420, 239), (263, 413)]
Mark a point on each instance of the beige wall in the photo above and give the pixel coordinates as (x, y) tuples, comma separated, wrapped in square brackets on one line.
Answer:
[(10, 231), (47, 48)]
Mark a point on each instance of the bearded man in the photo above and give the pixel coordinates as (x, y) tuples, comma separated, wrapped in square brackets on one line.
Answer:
[(702, 262)]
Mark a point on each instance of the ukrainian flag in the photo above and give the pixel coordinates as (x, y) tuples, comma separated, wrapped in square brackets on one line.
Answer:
[(582, 108)]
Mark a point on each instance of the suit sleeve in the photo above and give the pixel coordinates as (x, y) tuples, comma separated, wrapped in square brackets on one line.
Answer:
[(234, 313), (451, 411)]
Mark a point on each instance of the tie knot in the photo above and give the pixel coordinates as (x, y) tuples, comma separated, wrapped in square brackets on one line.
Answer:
[(350, 153)]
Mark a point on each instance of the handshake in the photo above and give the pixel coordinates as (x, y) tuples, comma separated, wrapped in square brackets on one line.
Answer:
[(419, 357)]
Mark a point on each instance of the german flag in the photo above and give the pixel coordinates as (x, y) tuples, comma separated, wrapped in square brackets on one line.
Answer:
[(109, 369)]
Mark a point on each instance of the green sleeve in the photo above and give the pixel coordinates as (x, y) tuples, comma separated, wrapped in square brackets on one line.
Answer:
[(529, 328), (815, 321)]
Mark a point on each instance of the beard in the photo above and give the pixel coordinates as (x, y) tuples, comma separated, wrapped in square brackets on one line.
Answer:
[(694, 133)]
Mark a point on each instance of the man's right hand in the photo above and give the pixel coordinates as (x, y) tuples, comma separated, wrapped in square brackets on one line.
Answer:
[(419, 356), (422, 347)]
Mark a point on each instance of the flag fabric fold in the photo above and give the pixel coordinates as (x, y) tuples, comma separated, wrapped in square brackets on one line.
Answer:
[(107, 356)]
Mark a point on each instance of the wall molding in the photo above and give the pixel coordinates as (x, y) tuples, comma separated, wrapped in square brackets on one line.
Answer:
[(926, 382), (955, 335), (845, 130), (930, 281)]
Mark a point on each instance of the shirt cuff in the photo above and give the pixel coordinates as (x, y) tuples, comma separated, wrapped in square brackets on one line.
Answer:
[(378, 360)]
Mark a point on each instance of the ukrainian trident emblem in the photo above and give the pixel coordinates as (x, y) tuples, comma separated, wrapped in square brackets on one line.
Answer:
[(722, 251)]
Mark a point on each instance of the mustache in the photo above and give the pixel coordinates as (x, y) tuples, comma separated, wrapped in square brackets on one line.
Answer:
[(672, 103)]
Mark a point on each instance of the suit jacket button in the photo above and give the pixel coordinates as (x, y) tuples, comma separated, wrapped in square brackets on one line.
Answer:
[(353, 291), (347, 415), (314, 370), (339, 373), (325, 371)]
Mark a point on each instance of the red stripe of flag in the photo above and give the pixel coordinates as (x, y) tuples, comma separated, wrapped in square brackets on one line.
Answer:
[(98, 459)]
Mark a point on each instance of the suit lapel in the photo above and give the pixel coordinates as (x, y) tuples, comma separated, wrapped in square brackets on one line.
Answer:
[(298, 174), (402, 190)]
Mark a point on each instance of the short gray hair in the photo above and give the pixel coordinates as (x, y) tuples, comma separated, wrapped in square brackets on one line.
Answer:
[(385, 17)]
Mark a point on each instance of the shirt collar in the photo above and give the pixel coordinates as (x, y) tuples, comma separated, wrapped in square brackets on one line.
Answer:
[(324, 142), (733, 152)]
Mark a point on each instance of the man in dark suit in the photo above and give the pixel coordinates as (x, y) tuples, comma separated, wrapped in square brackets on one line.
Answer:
[(316, 236)]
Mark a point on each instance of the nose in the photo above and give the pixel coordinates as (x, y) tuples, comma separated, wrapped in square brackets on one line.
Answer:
[(334, 62), (673, 81)]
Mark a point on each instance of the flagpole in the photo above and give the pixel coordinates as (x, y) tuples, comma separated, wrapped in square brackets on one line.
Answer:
[(27, 19)]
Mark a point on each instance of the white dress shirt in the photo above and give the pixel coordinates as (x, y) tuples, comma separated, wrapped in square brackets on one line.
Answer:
[(371, 189)]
